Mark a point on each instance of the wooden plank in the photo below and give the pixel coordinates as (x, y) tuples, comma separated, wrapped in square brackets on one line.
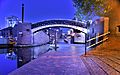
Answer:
[(114, 59), (116, 56), (104, 66), (95, 69), (112, 64)]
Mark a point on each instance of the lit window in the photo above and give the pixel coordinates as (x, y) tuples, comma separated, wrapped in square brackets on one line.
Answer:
[(118, 28)]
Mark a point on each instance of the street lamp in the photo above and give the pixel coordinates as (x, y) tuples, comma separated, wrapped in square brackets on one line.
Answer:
[(86, 35), (56, 39)]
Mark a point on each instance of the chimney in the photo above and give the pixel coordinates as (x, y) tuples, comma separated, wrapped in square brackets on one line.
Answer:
[(22, 13)]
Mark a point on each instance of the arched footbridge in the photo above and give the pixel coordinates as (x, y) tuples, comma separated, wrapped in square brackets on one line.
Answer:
[(59, 23)]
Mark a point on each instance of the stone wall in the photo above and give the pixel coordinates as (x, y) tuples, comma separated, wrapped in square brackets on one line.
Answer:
[(22, 32), (40, 38)]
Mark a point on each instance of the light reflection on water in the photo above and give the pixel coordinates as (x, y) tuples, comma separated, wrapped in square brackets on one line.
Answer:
[(8, 62)]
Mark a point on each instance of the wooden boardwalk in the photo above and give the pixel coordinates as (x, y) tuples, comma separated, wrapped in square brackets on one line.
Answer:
[(103, 60)]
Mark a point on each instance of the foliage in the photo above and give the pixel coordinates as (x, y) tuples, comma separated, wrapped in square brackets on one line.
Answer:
[(86, 9)]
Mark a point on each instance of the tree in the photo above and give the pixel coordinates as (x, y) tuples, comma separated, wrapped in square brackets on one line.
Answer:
[(86, 9)]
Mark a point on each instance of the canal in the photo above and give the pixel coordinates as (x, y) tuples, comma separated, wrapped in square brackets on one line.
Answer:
[(13, 58), (8, 62)]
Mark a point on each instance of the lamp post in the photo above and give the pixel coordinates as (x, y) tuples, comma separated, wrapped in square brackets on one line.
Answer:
[(86, 35), (85, 44), (55, 40), (33, 48)]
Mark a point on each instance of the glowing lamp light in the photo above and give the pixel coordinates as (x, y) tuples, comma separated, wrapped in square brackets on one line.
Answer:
[(1, 36), (57, 30), (73, 34), (63, 34), (68, 32), (90, 21), (88, 30)]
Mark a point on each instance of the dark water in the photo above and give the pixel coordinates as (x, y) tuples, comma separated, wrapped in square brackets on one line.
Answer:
[(8, 62), (13, 58)]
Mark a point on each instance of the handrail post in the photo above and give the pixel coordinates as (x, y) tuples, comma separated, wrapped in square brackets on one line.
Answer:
[(85, 45)]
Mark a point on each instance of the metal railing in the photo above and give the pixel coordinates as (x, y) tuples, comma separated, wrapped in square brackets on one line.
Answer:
[(96, 43)]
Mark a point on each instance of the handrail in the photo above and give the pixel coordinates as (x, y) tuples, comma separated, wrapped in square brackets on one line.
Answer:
[(98, 36), (97, 43)]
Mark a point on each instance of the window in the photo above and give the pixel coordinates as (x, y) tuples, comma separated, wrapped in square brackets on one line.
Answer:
[(92, 30), (118, 28), (28, 30)]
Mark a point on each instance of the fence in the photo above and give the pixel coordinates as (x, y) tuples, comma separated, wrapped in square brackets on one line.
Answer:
[(98, 42)]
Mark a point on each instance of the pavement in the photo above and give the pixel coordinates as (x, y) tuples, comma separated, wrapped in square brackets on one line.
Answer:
[(64, 61)]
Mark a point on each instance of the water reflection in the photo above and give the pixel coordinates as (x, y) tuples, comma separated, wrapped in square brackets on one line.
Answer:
[(13, 58), (23, 56), (37, 51), (11, 54), (8, 61)]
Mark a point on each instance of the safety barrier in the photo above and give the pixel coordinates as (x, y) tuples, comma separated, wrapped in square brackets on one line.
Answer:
[(103, 35)]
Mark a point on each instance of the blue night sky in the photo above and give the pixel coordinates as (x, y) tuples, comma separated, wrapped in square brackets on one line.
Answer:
[(36, 10)]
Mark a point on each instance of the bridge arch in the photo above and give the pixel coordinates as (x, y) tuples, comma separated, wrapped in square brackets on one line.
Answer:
[(59, 23)]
